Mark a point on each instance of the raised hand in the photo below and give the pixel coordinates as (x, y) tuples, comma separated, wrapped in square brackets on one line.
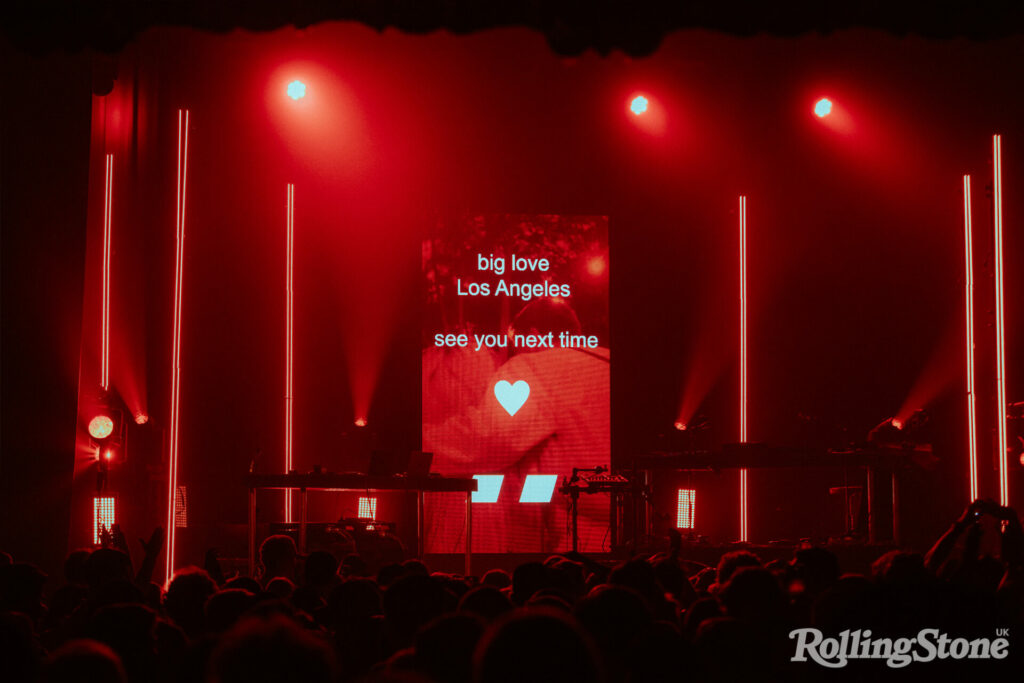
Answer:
[(154, 544)]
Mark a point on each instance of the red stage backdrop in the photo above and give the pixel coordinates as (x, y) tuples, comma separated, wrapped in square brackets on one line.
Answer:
[(516, 376)]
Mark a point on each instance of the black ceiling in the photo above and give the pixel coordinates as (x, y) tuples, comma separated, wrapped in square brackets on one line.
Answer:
[(571, 27)]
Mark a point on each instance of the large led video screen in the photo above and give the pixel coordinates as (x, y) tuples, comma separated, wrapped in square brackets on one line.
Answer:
[(516, 371)]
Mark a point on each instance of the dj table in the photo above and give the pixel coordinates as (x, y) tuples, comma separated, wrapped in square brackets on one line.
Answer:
[(303, 483)]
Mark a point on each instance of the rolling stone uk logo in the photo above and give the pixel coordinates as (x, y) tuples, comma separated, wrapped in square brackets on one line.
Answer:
[(928, 645)]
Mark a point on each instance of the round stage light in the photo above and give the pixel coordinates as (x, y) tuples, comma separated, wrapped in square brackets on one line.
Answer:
[(823, 107), (681, 426), (101, 427), (360, 422), (141, 419), (596, 265), (639, 105), (296, 90)]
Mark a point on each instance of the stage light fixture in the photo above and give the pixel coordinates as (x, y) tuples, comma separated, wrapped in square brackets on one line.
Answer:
[(488, 488), (681, 426), (181, 508), (685, 508), (538, 488), (104, 516), (367, 508), (101, 427), (823, 107), (296, 90), (141, 419), (639, 105), (360, 422), (893, 431)]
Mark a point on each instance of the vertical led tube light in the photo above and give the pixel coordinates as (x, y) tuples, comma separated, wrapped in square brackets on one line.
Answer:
[(744, 535), (972, 423), (108, 210), (289, 343), (179, 258), (997, 195)]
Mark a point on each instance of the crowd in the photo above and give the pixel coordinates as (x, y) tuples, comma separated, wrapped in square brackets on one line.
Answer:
[(654, 618)]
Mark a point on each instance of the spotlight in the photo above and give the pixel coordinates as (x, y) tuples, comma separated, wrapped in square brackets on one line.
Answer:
[(296, 90), (104, 516), (367, 508), (101, 427), (360, 422), (913, 433), (596, 265), (886, 432), (681, 426), (685, 507), (141, 419), (823, 107), (639, 105)]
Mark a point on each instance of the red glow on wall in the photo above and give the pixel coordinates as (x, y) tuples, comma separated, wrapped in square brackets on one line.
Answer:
[(744, 531), (972, 424), (104, 516), (997, 200), (179, 261), (686, 506), (367, 508), (289, 342), (108, 209), (101, 426)]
